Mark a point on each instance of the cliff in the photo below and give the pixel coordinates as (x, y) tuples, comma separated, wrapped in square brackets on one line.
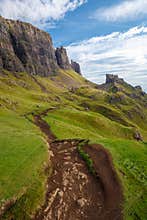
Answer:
[(62, 58), (76, 67), (24, 47)]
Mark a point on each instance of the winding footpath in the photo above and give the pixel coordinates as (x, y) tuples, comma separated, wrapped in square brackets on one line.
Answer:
[(73, 193)]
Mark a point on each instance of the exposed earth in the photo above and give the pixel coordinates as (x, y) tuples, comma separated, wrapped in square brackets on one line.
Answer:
[(73, 192)]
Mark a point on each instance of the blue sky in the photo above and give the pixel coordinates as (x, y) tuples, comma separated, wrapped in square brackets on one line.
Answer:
[(81, 24), (104, 36)]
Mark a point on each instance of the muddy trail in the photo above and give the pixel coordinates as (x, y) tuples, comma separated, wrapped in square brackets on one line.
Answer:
[(73, 193)]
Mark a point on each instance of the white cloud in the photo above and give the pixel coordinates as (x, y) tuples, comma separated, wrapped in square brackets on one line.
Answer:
[(126, 10), (120, 53), (38, 12)]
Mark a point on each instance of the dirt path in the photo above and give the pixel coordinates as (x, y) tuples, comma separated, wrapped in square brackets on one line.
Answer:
[(112, 189), (72, 192)]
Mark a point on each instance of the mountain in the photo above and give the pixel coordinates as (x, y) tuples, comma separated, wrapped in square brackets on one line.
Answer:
[(69, 148), (25, 48)]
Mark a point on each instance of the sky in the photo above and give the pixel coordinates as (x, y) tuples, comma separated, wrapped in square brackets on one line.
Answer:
[(104, 36)]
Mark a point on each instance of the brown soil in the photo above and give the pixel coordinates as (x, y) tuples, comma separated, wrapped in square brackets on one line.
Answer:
[(105, 171), (73, 193), (44, 127)]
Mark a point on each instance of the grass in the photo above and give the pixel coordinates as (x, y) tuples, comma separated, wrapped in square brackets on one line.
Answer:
[(84, 113), (86, 157), (23, 149), (130, 160), (129, 156), (81, 123), (23, 154)]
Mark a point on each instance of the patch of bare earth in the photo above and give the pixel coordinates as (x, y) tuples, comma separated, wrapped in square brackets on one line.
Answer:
[(73, 193), (112, 190)]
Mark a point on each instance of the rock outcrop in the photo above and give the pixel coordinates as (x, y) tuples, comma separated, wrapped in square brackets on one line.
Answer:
[(76, 67), (24, 47), (62, 58), (139, 90), (138, 136), (8, 59), (110, 78)]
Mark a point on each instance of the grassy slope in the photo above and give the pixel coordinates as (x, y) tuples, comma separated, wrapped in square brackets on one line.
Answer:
[(102, 123), (94, 124), (23, 153), (129, 156), (23, 149)]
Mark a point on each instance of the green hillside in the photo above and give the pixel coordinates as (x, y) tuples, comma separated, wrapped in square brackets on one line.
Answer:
[(111, 116), (129, 156)]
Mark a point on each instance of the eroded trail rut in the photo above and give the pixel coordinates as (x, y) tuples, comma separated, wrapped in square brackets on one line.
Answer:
[(73, 193)]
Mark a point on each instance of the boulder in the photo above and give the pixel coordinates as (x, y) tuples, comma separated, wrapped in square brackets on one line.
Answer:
[(139, 90), (138, 136)]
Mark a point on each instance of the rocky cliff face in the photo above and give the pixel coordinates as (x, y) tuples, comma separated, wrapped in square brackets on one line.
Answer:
[(8, 59), (110, 78), (23, 47), (76, 67), (122, 92), (62, 58), (26, 48), (114, 81)]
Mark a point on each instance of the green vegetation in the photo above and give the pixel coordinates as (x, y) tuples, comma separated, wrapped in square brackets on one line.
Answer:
[(86, 157), (130, 160), (81, 123), (23, 155), (129, 156), (23, 148), (81, 111)]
